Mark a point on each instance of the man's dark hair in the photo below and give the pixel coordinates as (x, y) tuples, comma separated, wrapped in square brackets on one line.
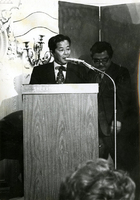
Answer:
[(100, 47), (52, 43)]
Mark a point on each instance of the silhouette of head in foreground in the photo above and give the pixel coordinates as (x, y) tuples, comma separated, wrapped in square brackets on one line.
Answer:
[(97, 181)]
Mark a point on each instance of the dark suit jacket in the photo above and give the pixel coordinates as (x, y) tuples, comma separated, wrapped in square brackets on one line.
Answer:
[(106, 95), (44, 74)]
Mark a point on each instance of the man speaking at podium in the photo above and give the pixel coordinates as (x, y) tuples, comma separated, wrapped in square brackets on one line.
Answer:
[(101, 54), (59, 71)]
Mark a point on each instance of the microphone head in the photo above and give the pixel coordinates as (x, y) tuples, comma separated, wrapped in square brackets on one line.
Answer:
[(73, 59)]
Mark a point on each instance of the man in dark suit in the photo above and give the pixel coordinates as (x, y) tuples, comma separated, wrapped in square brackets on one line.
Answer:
[(60, 48), (101, 53)]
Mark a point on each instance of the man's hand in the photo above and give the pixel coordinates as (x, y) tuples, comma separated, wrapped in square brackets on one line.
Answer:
[(118, 126)]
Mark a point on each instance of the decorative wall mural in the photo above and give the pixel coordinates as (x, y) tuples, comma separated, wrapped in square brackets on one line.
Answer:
[(24, 34), (35, 50), (7, 7)]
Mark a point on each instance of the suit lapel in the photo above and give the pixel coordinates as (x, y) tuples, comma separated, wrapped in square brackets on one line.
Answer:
[(102, 84), (112, 73), (68, 73), (50, 73)]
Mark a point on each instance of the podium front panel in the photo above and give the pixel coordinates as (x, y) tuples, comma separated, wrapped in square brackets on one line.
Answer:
[(60, 132)]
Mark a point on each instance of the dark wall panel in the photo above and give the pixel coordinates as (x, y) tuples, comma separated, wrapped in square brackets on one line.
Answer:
[(124, 36), (81, 24)]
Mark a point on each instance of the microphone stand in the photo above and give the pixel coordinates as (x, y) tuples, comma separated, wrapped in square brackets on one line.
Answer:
[(115, 110)]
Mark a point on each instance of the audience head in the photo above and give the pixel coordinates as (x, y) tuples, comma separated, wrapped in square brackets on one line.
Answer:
[(101, 54), (59, 46), (97, 181), (100, 47)]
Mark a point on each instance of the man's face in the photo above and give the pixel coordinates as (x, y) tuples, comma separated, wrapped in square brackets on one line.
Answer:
[(101, 60), (62, 52)]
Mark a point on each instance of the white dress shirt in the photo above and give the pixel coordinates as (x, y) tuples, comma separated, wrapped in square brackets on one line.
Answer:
[(56, 70)]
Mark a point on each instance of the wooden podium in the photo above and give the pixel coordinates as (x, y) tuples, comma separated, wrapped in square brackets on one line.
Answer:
[(60, 132)]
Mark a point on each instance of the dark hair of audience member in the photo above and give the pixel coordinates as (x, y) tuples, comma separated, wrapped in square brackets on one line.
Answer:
[(97, 181), (100, 47)]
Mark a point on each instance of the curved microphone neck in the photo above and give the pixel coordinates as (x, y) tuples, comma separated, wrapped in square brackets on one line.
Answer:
[(75, 60), (114, 85)]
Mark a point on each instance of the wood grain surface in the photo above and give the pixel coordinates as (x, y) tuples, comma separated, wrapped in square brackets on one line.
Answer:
[(60, 132)]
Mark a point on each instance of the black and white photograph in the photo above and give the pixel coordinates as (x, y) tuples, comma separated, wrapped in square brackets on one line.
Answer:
[(69, 100)]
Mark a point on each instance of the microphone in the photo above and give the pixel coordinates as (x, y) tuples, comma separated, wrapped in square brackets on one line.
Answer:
[(80, 61), (86, 64), (73, 59), (115, 111), (90, 67)]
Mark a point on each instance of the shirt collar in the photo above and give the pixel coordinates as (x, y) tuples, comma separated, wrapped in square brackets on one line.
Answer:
[(56, 64)]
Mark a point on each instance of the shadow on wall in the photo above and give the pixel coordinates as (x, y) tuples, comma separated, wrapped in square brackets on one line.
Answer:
[(13, 104)]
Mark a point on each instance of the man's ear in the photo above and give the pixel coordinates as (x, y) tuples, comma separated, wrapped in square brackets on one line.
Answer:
[(51, 52)]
